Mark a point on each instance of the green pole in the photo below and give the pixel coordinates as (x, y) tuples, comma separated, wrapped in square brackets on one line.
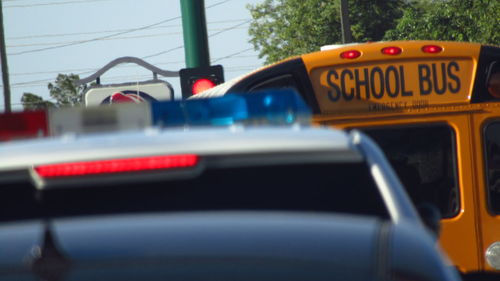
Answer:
[(344, 22), (195, 33)]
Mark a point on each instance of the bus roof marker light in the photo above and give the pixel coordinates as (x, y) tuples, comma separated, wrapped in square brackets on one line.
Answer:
[(432, 49), (351, 54), (392, 51)]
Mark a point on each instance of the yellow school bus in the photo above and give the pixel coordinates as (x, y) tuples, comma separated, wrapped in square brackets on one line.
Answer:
[(434, 107)]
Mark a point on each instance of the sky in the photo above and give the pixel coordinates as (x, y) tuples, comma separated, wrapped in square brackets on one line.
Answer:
[(48, 37)]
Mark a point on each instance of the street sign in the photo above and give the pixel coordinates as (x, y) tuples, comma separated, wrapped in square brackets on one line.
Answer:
[(147, 91)]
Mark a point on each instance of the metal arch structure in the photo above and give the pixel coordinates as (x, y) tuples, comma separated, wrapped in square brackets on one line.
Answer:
[(96, 76)]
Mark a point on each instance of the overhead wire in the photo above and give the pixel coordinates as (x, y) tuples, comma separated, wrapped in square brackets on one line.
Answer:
[(181, 46), (52, 3), (86, 71), (125, 66), (232, 55), (116, 38), (111, 35), (107, 31), (229, 69)]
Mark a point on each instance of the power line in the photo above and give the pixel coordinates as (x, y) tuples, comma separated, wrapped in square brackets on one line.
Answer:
[(181, 46), (128, 76), (116, 38), (88, 70), (229, 28), (53, 3), (111, 35), (232, 55), (107, 31), (94, 39)]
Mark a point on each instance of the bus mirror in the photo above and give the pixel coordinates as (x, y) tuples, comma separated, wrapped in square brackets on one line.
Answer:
[(431, 217)]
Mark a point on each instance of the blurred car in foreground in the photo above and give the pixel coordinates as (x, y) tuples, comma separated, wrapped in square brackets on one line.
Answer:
[(242, 201)]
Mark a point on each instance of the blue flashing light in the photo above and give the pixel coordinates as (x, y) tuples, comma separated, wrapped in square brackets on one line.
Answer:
[(276, 107)]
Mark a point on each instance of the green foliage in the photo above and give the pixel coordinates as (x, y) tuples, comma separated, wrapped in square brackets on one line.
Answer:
[(371, 19), (284, 28), (33, 102), (452, 20), (64, 91)]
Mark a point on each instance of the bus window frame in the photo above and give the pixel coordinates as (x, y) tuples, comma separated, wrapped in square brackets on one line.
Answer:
[(294, 67), (453, 151), (486, 124), (488, 57)]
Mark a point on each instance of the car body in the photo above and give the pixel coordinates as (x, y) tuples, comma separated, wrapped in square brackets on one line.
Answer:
[(234, 202)]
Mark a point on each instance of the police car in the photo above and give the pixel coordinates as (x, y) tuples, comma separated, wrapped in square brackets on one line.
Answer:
[(231, 188)]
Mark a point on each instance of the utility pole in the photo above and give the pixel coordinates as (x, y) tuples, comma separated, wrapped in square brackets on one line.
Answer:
[(344, 22), (195, 33), (3, 60)]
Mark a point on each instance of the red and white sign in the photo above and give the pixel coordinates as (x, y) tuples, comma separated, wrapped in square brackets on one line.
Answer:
[(128, 93)]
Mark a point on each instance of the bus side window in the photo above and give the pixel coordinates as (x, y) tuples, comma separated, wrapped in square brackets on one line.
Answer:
[(424, 159), (492, 156)]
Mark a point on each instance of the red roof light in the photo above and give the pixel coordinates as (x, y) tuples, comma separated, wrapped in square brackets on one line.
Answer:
[(351, 54), (431, 49), (28, 124), (391, 51), (117, 166)]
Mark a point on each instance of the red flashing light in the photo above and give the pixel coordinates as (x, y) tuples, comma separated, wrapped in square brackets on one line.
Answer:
[(117, 166), (18, 125), (351, 54), (201, 85), (392, 51), (431, 49)]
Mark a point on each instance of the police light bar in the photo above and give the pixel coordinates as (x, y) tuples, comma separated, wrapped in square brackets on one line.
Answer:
[(276, 107)]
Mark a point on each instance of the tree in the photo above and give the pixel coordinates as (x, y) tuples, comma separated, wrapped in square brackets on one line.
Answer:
[(33, 102), (64, 91), (453, 20), (283, 28)]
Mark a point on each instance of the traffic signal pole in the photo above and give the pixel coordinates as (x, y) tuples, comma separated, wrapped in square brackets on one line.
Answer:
[(195, 33)]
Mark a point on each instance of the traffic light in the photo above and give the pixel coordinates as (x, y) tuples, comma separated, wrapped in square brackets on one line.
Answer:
[(196, 80)]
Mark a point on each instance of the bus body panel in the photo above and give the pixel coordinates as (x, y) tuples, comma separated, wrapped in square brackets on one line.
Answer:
[(376, 82), (489, 216), (343, 88)]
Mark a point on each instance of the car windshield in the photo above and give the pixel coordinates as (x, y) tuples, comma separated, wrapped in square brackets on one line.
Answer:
[(340, 187)]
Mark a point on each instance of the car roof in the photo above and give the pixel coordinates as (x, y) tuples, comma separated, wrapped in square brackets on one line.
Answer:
[(203, 141)]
